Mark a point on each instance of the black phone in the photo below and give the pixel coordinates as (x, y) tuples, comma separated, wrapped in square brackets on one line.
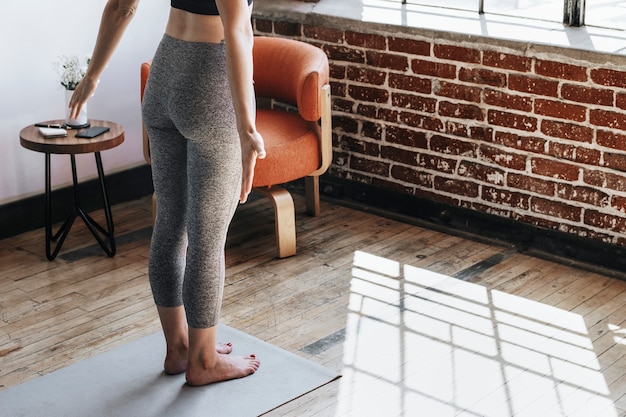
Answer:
[(92, 132)]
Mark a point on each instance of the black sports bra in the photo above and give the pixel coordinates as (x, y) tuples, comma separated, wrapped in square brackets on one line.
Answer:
[(207, 7)]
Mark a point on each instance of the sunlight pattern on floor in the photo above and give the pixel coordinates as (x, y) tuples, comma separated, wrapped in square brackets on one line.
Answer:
[(420, 343)]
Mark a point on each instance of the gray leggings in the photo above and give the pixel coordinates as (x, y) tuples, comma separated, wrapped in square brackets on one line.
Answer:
[(196, 169)]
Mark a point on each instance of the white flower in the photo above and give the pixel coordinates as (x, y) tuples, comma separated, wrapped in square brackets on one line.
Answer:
[(70, 70)]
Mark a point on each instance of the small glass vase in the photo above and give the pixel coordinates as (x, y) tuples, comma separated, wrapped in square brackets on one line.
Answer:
[(80, 121)]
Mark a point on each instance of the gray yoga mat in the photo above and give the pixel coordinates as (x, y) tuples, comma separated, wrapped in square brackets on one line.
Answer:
[(128, 382)]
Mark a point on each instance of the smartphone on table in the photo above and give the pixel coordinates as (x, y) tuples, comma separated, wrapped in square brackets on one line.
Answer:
[(92, 132)]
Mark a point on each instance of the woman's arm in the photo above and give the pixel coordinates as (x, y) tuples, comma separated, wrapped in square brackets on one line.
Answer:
[(235, 15), (115, 19)]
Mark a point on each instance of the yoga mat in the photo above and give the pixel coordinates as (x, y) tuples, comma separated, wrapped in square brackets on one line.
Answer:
[(128, 381)]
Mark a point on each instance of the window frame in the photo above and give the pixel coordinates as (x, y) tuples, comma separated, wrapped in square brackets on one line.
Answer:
[(573, 11)]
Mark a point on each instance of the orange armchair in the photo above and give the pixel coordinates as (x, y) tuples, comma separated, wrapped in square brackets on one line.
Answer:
[(293, 115)]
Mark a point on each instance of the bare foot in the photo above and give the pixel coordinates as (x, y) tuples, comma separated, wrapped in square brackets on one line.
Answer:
[(224, 348), (225, 367), (176, 358)]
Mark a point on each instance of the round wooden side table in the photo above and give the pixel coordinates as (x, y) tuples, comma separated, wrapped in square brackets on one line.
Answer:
[(30, 138)]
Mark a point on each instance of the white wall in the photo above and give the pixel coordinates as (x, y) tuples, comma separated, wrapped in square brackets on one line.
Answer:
[(33, 33)]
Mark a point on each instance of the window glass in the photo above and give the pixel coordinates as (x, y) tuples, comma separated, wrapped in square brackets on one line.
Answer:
[(551, 10), (606, 13), (471, 5), (602, 13), (451, 4)]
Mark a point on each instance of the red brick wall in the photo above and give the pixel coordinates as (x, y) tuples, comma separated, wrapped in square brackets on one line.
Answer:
[(534, 139)]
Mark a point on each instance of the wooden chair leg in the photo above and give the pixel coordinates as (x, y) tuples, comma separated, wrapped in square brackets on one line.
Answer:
[(312, 192), (284, 219)]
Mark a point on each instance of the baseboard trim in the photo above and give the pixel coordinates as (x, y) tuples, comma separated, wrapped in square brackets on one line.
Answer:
[(558, 246), (28, 214)]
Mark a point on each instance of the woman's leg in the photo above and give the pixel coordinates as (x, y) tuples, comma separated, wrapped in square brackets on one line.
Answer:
[(214, 181), (176, 332), (169, 244), (166, 266)]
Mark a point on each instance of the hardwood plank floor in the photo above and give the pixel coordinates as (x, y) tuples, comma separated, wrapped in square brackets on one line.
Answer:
[(418, 322)]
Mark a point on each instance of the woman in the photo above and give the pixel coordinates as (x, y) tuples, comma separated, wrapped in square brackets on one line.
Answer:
[(199, 112)]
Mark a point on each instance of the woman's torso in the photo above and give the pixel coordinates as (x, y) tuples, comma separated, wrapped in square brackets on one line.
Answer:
[(193, 27)]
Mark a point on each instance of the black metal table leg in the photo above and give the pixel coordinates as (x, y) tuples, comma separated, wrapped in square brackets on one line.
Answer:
[(48, 215), (101, 234), (92, 225)]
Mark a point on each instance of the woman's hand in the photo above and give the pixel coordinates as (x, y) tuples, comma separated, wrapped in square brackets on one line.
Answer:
[(84, 90), (116, 17), (252, 147)]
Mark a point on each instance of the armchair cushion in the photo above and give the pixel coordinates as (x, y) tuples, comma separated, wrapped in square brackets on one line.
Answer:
[(292, 146)]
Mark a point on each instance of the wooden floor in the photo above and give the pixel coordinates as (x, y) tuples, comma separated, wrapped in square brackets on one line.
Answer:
[(418, 322)]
